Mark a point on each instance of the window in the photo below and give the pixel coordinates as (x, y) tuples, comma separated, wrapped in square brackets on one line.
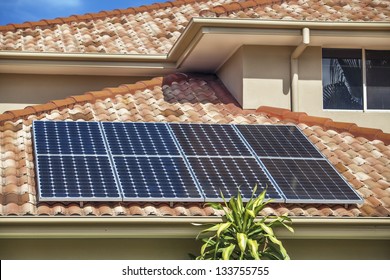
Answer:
[(378, 79), (356, 80)]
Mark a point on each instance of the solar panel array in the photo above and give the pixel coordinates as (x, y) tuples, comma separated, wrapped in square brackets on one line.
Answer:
[(84, 161)]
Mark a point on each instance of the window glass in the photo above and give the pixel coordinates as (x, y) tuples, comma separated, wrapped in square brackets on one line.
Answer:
[(342, 79), (378, 79)]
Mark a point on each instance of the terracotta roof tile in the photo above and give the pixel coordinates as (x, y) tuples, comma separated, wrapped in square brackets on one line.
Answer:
[(124, 30), (363, 162)]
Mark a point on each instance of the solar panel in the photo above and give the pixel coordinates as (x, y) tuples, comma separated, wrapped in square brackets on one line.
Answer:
[(80, 178), (72, 162), (228, 175), (139, 139), (82, 161), (156, 178), (209, 140), (68, 138), (278, 141), (310, 181)]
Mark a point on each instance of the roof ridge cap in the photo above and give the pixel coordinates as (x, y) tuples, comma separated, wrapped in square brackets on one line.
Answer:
[(326, 123), (226, 9), (96, 15)]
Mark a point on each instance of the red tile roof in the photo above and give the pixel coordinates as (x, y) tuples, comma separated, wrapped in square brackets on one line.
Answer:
[(361, 155), (153, 29)]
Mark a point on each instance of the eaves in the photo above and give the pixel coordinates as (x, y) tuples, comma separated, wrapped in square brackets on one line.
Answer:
[(182, 227), (196, 50)]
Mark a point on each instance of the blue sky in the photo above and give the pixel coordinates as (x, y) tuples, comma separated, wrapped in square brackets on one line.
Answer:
[(19, 11)]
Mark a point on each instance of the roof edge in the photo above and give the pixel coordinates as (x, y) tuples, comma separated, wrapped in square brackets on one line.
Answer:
[(326, 123), (91, 16), (182, 227)]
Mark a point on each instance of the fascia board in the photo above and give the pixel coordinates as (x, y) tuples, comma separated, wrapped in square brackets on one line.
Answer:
[(100, 63), (182, 227), (191, 39)]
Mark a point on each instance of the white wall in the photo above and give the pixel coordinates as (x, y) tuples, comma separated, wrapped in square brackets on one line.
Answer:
[(18, 91), (260, 76), (266, 76), (231, 74), (123, 248)]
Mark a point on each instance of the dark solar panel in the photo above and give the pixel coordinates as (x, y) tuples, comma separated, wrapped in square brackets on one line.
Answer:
[(139, 139), (310, 181), (57, 137), (156, 178), (227, 175), (209, 140), (81, 161), (80, 178), (278, 141)]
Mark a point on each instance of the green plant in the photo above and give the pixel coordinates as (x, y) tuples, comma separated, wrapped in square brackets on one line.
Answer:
[(241, 236)]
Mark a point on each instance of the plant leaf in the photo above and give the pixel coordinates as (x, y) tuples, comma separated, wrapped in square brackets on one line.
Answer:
[(282, 249), (213, 228), (254, 248), (226, 252), (223, 227), (266, 228), (242, 239), (240, 205), (251, 213), (214, 205)]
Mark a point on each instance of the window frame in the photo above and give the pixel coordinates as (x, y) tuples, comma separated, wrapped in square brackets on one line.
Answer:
[(364, 85)]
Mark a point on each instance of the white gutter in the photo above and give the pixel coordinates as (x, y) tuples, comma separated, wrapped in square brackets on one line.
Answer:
[(84, 64), (181, 227), (294, 68), (144, 64), (84, 56)]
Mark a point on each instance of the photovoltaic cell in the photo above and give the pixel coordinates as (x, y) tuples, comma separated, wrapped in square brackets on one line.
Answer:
[(139, 139), (57, 137), (209, 140), (156, 178), (81, 161), (80, 178), (228, 175), (278, 141), (310, 181)]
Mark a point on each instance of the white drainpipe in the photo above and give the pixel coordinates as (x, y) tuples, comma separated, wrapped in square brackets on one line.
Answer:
[(294, 68)]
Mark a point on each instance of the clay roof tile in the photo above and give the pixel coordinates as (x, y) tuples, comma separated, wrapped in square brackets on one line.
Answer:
[(63, 102)]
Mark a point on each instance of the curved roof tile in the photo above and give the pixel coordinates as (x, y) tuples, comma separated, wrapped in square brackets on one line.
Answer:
[(362, 158)]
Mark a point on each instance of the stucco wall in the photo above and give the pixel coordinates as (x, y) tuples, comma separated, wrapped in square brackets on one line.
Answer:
[(231, 74), (258, 75), (17, 91), (310, 95), (266, 76), (178, 249)]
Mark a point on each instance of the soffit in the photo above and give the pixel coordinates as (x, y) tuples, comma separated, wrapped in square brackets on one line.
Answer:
[(204, 46), (208, 43)]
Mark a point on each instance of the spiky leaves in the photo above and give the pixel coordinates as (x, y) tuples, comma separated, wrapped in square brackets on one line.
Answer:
[(241, 236)]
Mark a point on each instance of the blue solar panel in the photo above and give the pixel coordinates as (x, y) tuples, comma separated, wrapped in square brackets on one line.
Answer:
[(80, 178), (310, 181), (209, 140), (278, 141), (139, 139), (228, 175), (81, 161), (156, 178), (68, 138)]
